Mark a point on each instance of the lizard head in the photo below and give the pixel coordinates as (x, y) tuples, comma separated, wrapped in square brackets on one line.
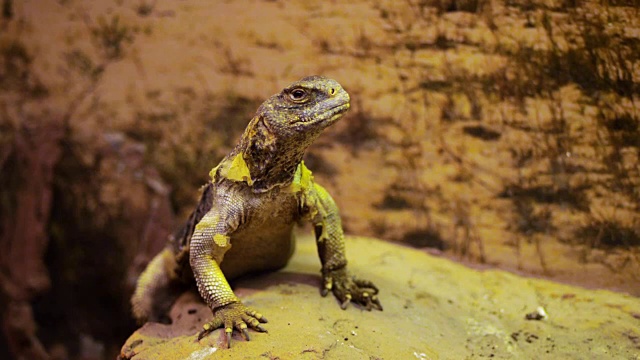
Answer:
[(305, 108), (275, 140)]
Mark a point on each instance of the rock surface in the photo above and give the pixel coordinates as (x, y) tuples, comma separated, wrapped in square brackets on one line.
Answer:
[(434, 309)]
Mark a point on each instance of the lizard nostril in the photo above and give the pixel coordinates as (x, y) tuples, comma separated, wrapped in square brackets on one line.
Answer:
[(332, 91)]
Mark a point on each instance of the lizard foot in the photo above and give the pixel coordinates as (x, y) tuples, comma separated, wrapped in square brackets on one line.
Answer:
[(234, 315), (348, 289)]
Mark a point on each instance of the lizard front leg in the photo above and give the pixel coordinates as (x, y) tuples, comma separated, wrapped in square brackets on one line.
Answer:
[(209, 242), (325, 217)]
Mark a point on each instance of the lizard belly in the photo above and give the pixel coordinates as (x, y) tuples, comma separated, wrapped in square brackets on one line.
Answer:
[(267, 242)]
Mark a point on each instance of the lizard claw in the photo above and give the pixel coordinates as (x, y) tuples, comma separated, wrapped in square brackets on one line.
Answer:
[(228, 331), (376, 303), (234, 316), (346, 302), (245, 332), (206, 329), (350, 289), (328, 284)]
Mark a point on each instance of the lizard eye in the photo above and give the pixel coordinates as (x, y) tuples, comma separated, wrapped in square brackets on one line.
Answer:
[(298, 95)]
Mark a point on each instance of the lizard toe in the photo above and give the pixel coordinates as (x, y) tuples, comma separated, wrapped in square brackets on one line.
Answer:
[(234, 316), (348, 289)]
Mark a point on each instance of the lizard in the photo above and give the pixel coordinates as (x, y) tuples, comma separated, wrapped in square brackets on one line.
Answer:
[(245, 218)]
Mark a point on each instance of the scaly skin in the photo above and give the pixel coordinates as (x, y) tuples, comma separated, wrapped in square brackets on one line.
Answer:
[(245, 218)]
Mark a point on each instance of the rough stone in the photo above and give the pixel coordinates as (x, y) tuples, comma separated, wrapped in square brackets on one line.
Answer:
[(434, 309)]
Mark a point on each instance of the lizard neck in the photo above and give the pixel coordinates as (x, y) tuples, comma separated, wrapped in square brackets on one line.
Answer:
[(263, 159)]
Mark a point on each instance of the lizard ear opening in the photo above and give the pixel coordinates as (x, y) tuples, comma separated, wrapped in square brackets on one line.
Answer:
[(258, 130), (262, 124), (260, 148), (261, 132)]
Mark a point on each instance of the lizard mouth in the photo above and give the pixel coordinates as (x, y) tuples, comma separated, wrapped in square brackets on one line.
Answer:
[(334, 113), (322, 116)]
